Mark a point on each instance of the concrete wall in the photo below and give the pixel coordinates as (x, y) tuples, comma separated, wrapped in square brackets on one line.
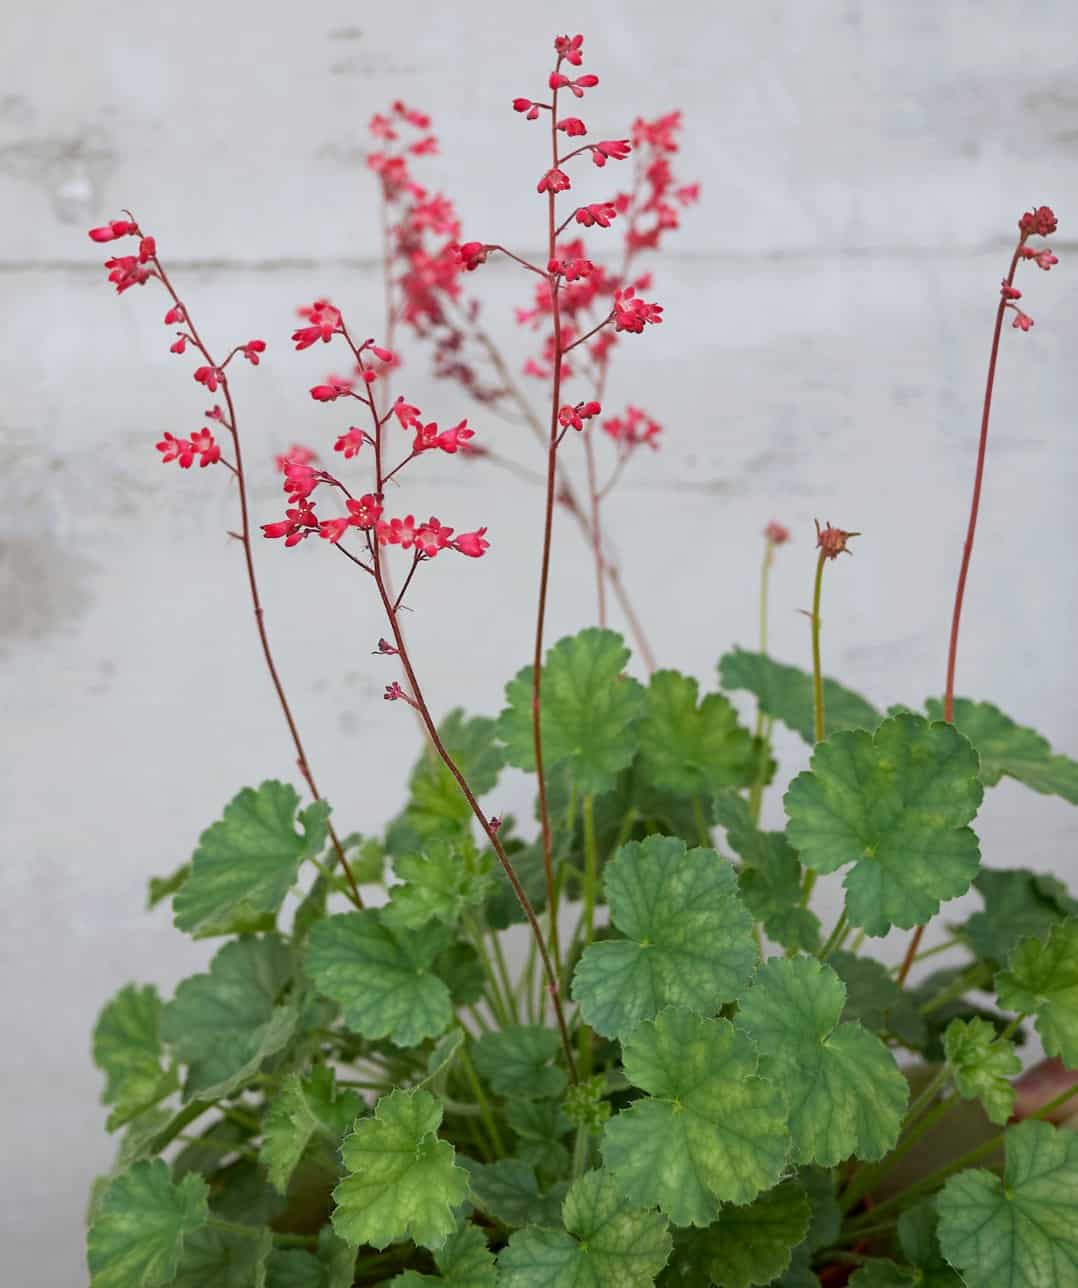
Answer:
[(828, 313)]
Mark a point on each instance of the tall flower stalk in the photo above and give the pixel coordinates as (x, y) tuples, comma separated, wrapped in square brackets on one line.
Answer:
[(775, 535), (1040, 222)]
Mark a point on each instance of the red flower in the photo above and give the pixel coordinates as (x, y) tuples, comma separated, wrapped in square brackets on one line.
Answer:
[(1022, 321), (334, 388), (578, 86), (614, 149), (178, 345), (297, 454), (333, 529), (325, 321), (432, 537), (832, 541), (252, 349), (397, 532), (1040, 222), (299, 522), (573, 126), (776, 533), (569, 48), (174, 315), (211, 377), (405, 413), (300, 480), (1042, 258), (177, 449), (470, 255), (365, 512), (633, 428), (112, 230), (349, 443), (553, 181), (206, 445), (126, 271), (472, 544), (631, 314), (526, 105), (576, 416), (600, 212), (449, 440), (426, 437)]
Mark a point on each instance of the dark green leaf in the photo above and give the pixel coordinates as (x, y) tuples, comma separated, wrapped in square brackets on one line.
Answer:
[(439, 885), (509, 1192), (304, 1109), (692, 750), (874, 997), (785, 692), (1018, 904), (518, 1060), (1042, 978)]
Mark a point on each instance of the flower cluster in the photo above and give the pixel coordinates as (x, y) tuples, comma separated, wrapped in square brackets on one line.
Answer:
[(632, 429), (184, 451), (1039, 222)]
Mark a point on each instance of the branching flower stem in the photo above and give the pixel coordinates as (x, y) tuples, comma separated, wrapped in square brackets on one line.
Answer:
[(252, 580)]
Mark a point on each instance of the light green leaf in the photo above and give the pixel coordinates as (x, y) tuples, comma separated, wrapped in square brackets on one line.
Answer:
[(128, 1050), (785, 692), (983, 1066), (439, 884), (877, 1000), (142, 1224), (332, 1266), (224, 1024), (752, 1244), (509, 1192), (437, 808), (383, 979), (401, 1181), (895, 804), (1021, 1231), (159, 888), (688, 938), (590, 711), (1018, 904), (246, 863), (710, 1130), (464, 1262), (606, 1243), (770, 876), (305, 1108), (1043, 977), (225, 1259), (692, 750), (845, 1092), (1006, 748), (516, 1061)]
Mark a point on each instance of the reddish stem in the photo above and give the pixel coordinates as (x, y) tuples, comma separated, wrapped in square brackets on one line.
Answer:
[(967, 549), (252, 583)]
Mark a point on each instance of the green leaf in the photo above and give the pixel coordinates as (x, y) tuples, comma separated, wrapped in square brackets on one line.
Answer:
[(693, 750), (464, 1262), (824, 1225), (516, 1061), (606, 1243), (770, 876), (159, 888), (332, 1266), (1006, 748), (540, 1126), (246, 863), (383, 979), (785, 692), (460, 969), (1042, 977), (1021, 1231), (305, 1108), (879, 1273), (224, 1024), (128, 1050), (442, 1055), (503, 908), (710, 1130), (983, 1066), (1018, 904), (845, 1092), (225, 1259), (752, 1244), (509, 1192), (918, 1235), (437, 808), (688, 938), (895, 804), (590, 711), (401, 1181), (877, 1000), (143, 1222), (439, 885)]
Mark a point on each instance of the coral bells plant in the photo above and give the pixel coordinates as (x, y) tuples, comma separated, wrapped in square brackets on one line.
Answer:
[(619, 1048)]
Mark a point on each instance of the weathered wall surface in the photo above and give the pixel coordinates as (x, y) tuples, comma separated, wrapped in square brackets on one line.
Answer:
[(828, 311)]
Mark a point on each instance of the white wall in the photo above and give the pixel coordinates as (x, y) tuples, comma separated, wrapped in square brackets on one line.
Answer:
[(828, 312)]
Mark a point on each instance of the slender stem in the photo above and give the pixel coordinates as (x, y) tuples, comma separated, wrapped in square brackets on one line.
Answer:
[(970, 978), (503, 972), (544, 571), (946, 946), (703, 831), (834, 940), (252, 581), (817, 692), (591, 890), (596, 529), (481, 1100)]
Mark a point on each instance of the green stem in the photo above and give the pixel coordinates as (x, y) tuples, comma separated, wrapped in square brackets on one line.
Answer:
[(255, 1232), (591, 890), (503, 971), (700, 819), (841, 930), (494, 997), (485, 1111), (931, 952), (967, 980), (626, 827), (580, 1151), (756, 792), (817, 694), (334, 880)]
